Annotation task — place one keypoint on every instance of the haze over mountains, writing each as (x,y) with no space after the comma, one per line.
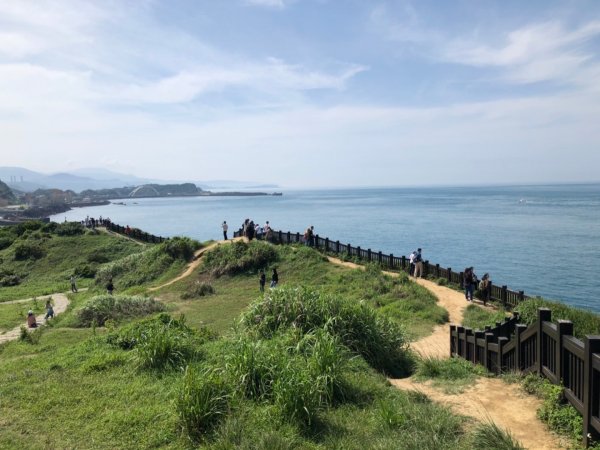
(78,180)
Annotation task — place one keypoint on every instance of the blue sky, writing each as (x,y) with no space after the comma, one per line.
(304,93)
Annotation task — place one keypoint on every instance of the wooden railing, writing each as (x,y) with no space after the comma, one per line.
(546,348)
(134,233)
(501,294)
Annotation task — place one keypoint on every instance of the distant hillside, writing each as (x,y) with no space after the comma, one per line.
(7,197)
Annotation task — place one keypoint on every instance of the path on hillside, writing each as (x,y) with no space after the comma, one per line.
(60,302)
(489,399)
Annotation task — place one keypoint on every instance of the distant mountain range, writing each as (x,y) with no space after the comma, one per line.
(78,180)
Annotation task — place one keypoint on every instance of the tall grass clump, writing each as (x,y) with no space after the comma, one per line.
(202,401)
(197,290)
(488,436)
(102,308)
(452,374)
(477,318)
(380,341)
(239,257)
(584,322)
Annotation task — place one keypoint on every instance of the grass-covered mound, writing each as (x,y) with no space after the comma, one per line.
(240,257)
(38,259)
(380,341)
(102,308)
(148,265)
(478,318)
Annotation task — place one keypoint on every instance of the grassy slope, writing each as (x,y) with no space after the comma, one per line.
(88,394)
(63,254)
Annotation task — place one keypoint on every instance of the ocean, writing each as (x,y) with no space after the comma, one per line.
(544,240)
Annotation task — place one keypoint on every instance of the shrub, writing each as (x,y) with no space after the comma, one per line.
(84,271)
(180,247)
(584,322)
(202,402)
(107,307)
(239,257)
(198,289)
(99,257)
(5,242)
(8,278)
(69,229)
(381,342)
(28,250)
(488,436)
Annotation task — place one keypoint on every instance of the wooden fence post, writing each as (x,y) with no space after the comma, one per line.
(564,328)
(358,252)
(502,341)
(379,257)
(316,239)
(326,244)
(469,357)
(504,295)
(449,275)
(391,261)
(489,337)
(337,247)
(477,335)
(544,315)
(349,247)
(369,254)
(452,340)
(403,262)
(591,390)
(518,330)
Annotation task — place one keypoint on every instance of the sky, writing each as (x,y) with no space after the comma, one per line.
(304,93)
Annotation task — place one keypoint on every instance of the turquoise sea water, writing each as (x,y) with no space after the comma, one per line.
(544,240)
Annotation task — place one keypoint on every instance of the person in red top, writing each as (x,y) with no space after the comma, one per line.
(31,323)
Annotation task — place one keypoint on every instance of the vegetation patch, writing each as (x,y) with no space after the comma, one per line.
(584,322)
(478,318)
(198,289)
(488,436)
(453,375)
(240,257)
(380,341)
(101,308)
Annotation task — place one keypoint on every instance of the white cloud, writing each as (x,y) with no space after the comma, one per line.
(278,4)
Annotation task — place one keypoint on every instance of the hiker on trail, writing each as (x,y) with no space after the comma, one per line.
(418,264)
(110,286)
(470,279)
(49,310)
(31,323)
(411,260)
(262,279)
(73,283)
(485,288)
(274,278)
(268,231)
(309,236)
(225,228)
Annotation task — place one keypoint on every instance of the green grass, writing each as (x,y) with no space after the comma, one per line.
(477,318)
(488,436)
(452,375)
(15,314)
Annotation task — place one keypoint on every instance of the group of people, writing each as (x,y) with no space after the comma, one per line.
(31,320)
(91,222)
(415,260)
(251,230)
(262,279)
(309,236)
(471,282)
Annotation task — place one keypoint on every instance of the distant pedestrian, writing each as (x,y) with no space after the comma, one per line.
(469,282)
(110,287)
(262,279)
(411,260)
(418,264)
(250,231)
(485,288)
(73,281)
(49,310)
(31,323)
(225,228)
(274,278)
(268,231)
(309,236)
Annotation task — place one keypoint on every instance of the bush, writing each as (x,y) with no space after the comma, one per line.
(488,436)
(198,289)
(28,250)
(202,402)
(69,229)
(101,308)
(180,247)
(381,342)
(84,271)
(8,278)
(6,241)
(584,322)
(239,257)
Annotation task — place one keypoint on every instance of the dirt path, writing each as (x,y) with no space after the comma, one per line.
(60,302)
(489,398)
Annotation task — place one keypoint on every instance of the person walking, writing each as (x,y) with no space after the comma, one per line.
(418,264)
(225,228)
(469,282)
(73,281)
(262,280)
(274,278)
(49,310)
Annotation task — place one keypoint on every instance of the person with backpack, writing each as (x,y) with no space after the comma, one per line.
(225,228)
(418,264)
(470,281)
(411,260)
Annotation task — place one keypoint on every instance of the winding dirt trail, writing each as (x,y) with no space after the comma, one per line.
(60,302)
(489,399)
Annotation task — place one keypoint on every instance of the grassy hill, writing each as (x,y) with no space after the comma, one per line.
(7,197)
(212,362)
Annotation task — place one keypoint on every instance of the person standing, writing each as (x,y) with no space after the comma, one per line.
(469,282)
(418,264)
(262,280)
(49,310)
(274,278)
(268,231)
(485,287)
(225,228)
(411,260)
(250,231)
(73,283)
